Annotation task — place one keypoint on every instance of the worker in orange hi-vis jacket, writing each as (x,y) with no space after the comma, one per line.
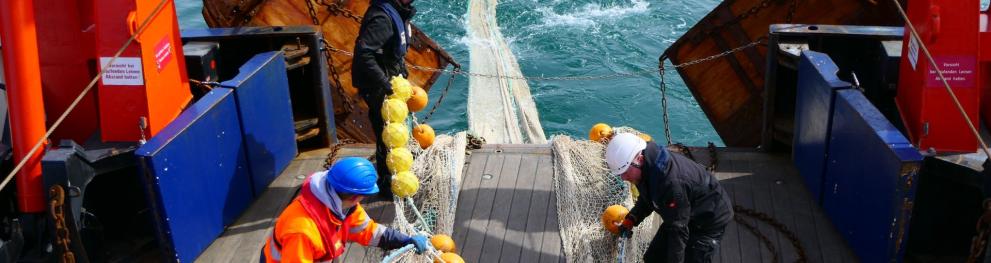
(327,214)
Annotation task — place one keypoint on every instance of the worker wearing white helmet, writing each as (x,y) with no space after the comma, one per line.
(689,199)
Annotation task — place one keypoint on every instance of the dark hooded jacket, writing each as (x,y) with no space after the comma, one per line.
(376,59)
(687,197)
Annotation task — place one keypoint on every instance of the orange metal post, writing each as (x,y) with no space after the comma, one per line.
(27,110)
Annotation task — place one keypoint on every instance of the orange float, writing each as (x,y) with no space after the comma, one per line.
(444,243)
(418,101)
(599,132)
(424,135)
(613,217)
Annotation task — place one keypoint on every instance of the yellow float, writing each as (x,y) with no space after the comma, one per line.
(394,110)
(399,160)
(645,137)
(405,184)
(395,135)
(401,88)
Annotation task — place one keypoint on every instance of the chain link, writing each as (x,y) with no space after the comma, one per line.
(980,240)
(767,219)
(760,216)
(57,195)
(763,238)
(332,156)
(336,7)
(638,73)
(334,75)
(736,20)
(313,12)
(791,11)
(450,82)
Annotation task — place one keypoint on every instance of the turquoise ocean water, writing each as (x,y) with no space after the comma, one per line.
(571,38)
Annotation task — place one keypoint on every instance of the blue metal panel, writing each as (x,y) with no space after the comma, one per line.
(196,175)
(869,179)
(817,86)
(261,90)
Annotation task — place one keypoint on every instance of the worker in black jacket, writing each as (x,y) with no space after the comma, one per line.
(379,55)
(694,207)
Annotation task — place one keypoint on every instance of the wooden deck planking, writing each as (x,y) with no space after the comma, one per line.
(482,208)
(769,184)
(466,198)
(512,245)
(552,248)
(766,201)
(730,245)
(512,217)
(540,210)
(750,249)
(243,240)
(495,230)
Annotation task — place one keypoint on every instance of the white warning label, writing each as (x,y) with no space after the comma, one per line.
(125,71)
(913,52)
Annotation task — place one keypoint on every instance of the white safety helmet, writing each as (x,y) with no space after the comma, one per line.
(621,150)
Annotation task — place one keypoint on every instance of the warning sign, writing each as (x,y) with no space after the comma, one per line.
(959,71)
(913,51)
(125,71)
(163,53)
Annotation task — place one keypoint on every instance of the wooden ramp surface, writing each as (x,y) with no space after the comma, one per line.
(769,183)
(507,209)
(243,241)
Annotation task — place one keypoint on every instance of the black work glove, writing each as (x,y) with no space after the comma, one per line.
(626,228)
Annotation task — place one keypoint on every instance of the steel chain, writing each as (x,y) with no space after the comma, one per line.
(736,20)
(763,238)
(767,219)
(338,9)
(57,195)
(638,73)
(763,217)
(332,156)
(450,81)
(664,102)
(791,11)
(313,12)
(979,242)
(334,75)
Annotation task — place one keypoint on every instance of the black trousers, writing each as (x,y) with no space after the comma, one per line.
(701,247)
(374,102)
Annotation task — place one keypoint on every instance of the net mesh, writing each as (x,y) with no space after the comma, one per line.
(439,168)
(584,189)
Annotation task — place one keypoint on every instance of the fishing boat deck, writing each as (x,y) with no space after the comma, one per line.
(506,209)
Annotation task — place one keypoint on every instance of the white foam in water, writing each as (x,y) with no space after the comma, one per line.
(591,14)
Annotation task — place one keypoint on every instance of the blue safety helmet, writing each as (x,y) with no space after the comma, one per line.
(353,175)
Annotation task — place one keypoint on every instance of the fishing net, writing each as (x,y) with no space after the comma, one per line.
(584,189)
(439,168)
(500,106)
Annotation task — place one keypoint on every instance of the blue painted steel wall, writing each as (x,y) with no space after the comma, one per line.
(197,176)
(261,90)
(817,86)
(869,179)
